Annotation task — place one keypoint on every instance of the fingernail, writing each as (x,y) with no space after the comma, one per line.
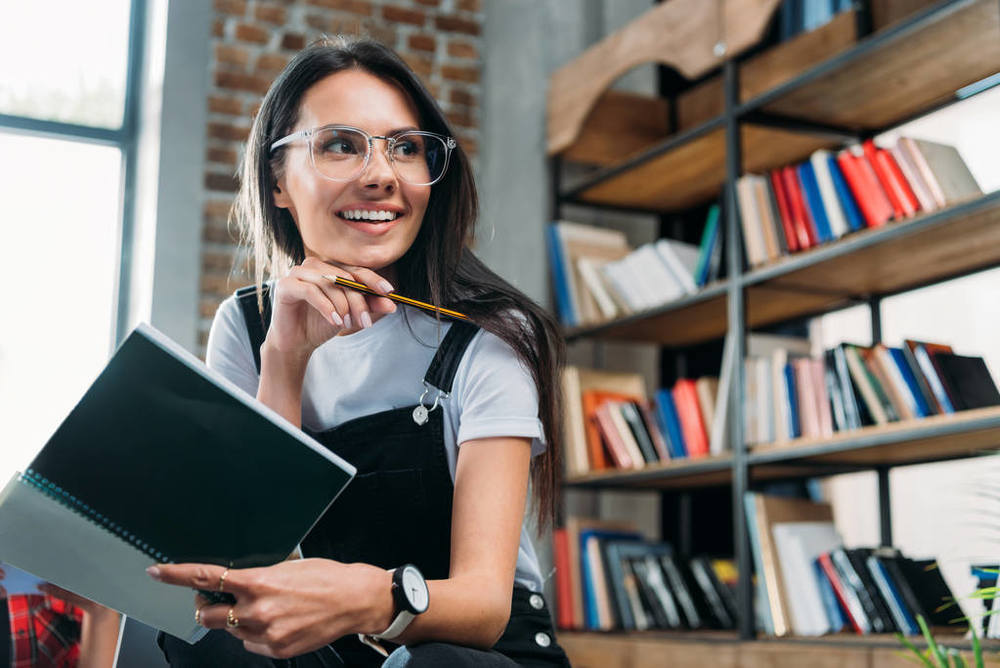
(347,321)
(153,572)
(337,320)
(366,320)
(385,286)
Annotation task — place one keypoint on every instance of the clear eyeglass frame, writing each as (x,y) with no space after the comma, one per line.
(449,145)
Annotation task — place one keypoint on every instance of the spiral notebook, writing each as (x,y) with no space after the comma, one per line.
(163,460)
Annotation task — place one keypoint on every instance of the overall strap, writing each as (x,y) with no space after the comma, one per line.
(257,322)
(441,372)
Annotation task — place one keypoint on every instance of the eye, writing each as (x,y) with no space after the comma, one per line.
(338,145)
(408,147)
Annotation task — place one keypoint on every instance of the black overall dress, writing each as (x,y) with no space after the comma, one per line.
(397,510)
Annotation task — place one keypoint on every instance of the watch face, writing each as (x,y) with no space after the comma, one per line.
(415,589)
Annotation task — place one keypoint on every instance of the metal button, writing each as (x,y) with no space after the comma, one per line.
(536,602)
(543,639)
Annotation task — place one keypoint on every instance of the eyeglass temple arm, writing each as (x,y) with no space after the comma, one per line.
(289,139)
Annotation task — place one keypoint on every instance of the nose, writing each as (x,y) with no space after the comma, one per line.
(379,174)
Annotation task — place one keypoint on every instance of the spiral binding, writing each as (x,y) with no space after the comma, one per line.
(57,493)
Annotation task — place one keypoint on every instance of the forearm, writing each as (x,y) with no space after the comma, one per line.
(462,611)
(280,387)
(99,639)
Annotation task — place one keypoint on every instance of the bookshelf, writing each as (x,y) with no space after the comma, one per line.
(849,84)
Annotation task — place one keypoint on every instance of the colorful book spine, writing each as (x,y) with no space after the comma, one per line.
(814,202)
(670,425)
(850,208)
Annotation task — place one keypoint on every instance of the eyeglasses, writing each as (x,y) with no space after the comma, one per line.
(342,153)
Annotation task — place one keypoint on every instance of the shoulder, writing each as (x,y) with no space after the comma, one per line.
(228,350)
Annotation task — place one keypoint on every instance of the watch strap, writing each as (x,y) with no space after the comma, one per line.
(397,627)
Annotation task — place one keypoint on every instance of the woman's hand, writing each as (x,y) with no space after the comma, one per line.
(293,607)
(308,310)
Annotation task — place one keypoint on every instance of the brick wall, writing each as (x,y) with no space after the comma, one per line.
(252,40)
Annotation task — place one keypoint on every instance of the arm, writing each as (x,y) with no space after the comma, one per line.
(99,631)
(472,606)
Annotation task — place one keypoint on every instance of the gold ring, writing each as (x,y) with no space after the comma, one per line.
(197,616)
(232,621)
(222,578)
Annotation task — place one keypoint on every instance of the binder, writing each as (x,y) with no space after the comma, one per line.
(163,460)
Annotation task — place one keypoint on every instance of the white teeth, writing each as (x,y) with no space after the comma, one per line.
(364,214)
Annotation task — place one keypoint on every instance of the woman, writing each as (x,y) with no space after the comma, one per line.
(351,171)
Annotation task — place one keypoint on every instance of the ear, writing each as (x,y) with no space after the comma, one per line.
(281,198)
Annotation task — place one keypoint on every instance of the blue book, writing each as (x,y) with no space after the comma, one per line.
(923,410)
(762,607)
(559,278)
(897,606)
(830,604)
(813,200)
(793,402)
(847,204)
(670,424)
(709,238)
(930,373)
(588,576)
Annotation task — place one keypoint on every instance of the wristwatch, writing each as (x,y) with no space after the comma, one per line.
(410,597)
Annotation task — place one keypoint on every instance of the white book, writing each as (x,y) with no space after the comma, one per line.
(590,273)
(913,177)
(620,280)
(718,433)
(681,259)
(659,281)
(828,193)
(798,544)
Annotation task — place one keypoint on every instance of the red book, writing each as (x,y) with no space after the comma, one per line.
(864,185)
(564,584)
(838,588)
(689,413)
(612,437)
(900,186)
(871,157)
(784,212)
(800,214)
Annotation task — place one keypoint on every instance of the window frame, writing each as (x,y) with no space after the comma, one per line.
(125,138)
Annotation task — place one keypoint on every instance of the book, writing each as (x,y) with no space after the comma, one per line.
(753,233)
(769,225)
(871,155)
(913,177)
(718,438)
(110,493)
(852,214)
(714,593)
(846,596)
(582,392)
(919,351)
(598,611)
(804,228)
(563,580)
(575,526)
(633,418)
(966,380)
(617,554)
(784,211)
(616,435)
(901,615)
(709,240)
(897,181)
(944,171)
(572,241)
(820,162)
(681,260)
(867,190)
(689,412)
(670,424)
(814,202)
(798,544)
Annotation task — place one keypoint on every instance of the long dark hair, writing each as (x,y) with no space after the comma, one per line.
(439,267)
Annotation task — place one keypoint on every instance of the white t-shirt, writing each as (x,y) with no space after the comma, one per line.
(383,367)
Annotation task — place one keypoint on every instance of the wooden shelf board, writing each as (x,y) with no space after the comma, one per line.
(723,648)
(693,319)
(898,72)
(897,256)
(679,473)
(939,437)
(694,171)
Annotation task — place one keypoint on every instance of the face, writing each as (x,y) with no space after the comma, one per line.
(317,204)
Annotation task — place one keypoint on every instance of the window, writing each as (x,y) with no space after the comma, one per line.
(67,164)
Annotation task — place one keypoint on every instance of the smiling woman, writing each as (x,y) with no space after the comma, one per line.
(351,171)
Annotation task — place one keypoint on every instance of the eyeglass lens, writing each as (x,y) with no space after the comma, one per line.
(339,154)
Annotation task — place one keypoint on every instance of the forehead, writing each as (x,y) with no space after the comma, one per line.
(354,97)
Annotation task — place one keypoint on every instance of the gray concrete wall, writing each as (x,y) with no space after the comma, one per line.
(526,40)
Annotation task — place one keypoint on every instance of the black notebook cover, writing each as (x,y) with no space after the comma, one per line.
(183,465)
(967,381)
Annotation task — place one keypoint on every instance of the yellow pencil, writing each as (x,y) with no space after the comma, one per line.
(361,287)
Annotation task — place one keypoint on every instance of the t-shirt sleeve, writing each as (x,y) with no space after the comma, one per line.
(496,394)
(229,347)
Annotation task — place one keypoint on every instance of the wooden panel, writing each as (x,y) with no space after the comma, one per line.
(694,172)
(766,305)
(904,442)
(767,654)
(679,33)
(890,262)
(620,125)
(591,650)
(903,76)
(672,474)
(695,322)
(651,654)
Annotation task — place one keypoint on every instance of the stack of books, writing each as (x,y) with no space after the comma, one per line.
(798,207)
(808,584)
(790,394)
(609,578)
(597,276)
(610,423)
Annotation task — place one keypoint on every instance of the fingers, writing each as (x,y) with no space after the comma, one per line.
(357,315)
(203,576)
(306,286)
